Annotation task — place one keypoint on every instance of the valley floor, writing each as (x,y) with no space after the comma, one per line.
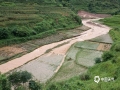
(43,55)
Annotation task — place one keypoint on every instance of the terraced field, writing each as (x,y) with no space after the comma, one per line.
(44,67)
(87,57)
(81,56)
(29,14)
(87,44)
(103,39)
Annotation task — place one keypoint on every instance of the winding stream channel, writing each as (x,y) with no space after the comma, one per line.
(49,63)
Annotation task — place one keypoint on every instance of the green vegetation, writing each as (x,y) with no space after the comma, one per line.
(33,85)
(107,56)
(97,60)
(94,6)
(24,39)
(4,33)
(114,23)
(19,77)
(4,83)
(16,78)
(19,81)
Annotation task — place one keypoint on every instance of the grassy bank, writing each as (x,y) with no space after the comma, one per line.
(114,23)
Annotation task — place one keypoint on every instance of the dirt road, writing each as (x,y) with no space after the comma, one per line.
(96,30)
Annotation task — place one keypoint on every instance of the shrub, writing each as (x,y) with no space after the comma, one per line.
(25,76)
(4,33)
(21,31)
(31,31)
(117,73)
(62,22)
(107,56)
(4,83)
(23,39)
(85,76)
(116,47)
(42,26)
(38,29)
(35,85)
(21,88)
(19,77)
(53,87)
(97,60)
(76,18)
(114,60)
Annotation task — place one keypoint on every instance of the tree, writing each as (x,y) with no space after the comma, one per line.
(17,78)
(116,47)
(4,33)
(107,56)
(76,18)
(4,83)
(14,78)
(21,31)
(25,76)
(97,60)
(35,85)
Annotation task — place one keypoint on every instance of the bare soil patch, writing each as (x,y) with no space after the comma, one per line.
(9,51)
(95,24)
(88,15)
(104,47)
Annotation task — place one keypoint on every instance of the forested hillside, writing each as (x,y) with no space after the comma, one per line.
(95,6)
